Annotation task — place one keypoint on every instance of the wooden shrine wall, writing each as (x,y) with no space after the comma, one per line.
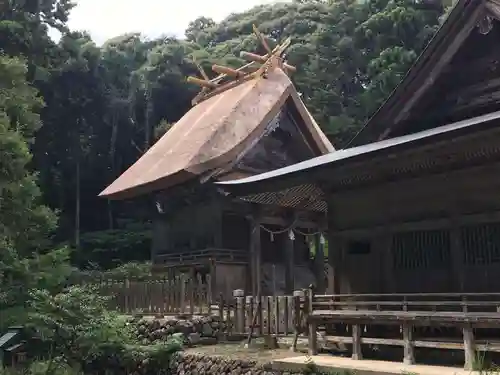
(439,233)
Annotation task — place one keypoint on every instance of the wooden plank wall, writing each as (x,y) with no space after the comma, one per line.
(443,214)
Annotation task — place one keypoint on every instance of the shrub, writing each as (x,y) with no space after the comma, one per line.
(75,322)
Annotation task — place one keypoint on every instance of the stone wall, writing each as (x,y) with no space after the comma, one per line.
(194,329)
(187,364)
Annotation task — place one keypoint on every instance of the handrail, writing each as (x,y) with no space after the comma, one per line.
(403,295)
(214,253)
(414,313)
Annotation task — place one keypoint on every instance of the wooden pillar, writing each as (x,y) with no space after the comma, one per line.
(218,229)
(387,268)
(213,280)
(469,348)
(335,258)
(161,237)
(357,354)
(289,261)
(335,250)
(255,257)
(319,262)
(409,354)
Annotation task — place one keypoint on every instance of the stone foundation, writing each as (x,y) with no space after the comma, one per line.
(193,364)
(195,329)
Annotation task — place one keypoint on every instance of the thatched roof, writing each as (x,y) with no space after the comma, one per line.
(212,134)
(227,120)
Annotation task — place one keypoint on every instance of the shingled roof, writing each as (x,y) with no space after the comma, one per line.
(221,126)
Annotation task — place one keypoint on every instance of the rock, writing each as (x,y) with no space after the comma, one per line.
(194,338)
(207,330)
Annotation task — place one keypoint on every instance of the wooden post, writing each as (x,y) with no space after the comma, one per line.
(277,314)
(469,348)
(191,290)
(127,295)
(319,262)
(313,338)
(289,262)
(312,325)
(298,295)
(409,355)
(356,342)
(213,281)
(239,296)
(182,302)
(334,261)
(255,257)
(249,301)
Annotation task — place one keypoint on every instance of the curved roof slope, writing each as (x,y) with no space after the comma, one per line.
(212,134)
(422,95)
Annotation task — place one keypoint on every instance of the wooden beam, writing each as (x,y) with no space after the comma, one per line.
(249,56)
(305,224)
(441,223)
(473,90)
(201,70)
(228,71)
(262,39)
(289,263)
(493,7)
(255,256)
(220,89)
(319,263)
(202,82)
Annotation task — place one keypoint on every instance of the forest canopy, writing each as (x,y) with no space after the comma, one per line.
(75,115)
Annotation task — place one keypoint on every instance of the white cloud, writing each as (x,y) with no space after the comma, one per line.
(108,18)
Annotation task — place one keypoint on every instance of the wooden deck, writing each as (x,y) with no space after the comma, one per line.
(366,367)
(409,321)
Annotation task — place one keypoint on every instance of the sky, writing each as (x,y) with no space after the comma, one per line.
(108,18)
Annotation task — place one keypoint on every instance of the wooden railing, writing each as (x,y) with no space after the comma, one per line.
(407,320)
(157,295)
(195,257)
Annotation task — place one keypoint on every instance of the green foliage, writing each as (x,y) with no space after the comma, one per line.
(129,359)
(111,248)
(130,270)
(75,323)
(24,223)
(20,276)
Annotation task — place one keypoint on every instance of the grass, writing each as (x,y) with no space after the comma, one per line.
(483,366)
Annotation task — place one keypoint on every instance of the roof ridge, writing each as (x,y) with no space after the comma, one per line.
(229,78)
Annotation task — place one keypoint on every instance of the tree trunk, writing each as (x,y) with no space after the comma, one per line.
(77,205)
(147,119)
(112,151)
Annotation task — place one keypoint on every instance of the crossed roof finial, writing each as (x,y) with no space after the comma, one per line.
(229,77)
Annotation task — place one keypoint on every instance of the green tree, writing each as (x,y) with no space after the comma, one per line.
(25,224)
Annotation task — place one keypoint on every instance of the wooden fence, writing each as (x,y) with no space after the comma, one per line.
(348,319)
(168,295)
(182,295)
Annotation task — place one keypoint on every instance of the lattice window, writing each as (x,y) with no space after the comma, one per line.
(421,249)
(481,244)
